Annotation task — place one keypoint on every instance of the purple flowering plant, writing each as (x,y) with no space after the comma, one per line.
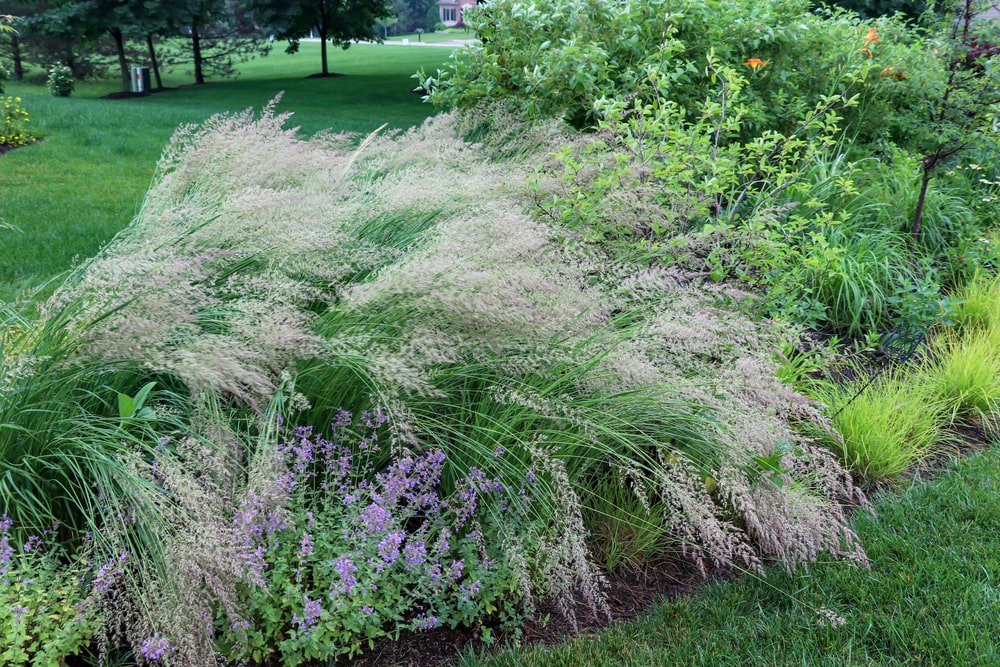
(46,591)
(365,544)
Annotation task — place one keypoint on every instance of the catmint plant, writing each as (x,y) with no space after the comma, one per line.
(49,594)
(353,549)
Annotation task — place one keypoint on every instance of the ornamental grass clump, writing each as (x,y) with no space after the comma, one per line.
(891,425)
(964,371)
(504,360)
(977,308)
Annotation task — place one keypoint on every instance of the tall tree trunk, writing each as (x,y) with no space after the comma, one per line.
(116,34)
(152,61)
(15,54)
(199,75)
(71,60)
(322,48)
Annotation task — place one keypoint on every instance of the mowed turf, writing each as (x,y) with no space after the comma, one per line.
(449,35)
(70,193)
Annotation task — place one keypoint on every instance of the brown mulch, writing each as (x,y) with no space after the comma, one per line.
(6,148)
(630,593)
(130,95)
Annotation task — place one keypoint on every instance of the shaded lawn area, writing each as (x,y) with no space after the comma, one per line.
(71,192)
(932,597)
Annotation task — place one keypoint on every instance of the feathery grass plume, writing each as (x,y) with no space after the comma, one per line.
(565,566)
(402,276)
(477,318)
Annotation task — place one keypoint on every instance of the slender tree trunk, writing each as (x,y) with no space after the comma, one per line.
(919,213)
(322,48)
(71,60)
(15,54)
(116,34)
(199,74)
(152,61)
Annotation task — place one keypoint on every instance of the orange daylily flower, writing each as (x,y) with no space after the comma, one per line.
(871,37)
(866,51)
(756,63)
(895,74)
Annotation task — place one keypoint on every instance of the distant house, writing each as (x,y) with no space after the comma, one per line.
(450,11)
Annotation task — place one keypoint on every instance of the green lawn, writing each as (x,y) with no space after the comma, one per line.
(74,190)
(449,35)
(932,597)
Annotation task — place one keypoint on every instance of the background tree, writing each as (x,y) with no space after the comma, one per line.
(221,33)
(912,9)
(336,21)
(54,32)
(9,11)
(117,18)
(413,14)
(956,102)
(6,26)
(162,18)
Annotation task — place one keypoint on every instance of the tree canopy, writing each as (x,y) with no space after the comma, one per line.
(336,21)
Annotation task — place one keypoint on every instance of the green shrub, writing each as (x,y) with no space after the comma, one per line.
(60,81)
(782,213)
(763,138)
(562,58)
(912,9)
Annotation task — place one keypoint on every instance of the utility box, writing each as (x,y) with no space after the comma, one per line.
(140,80)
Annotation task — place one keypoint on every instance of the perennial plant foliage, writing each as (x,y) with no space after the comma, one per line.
(269,278)
(13,123)
(758,153)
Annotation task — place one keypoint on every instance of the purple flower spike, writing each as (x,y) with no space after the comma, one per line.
(306,545)
(310,614)
(155,647)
